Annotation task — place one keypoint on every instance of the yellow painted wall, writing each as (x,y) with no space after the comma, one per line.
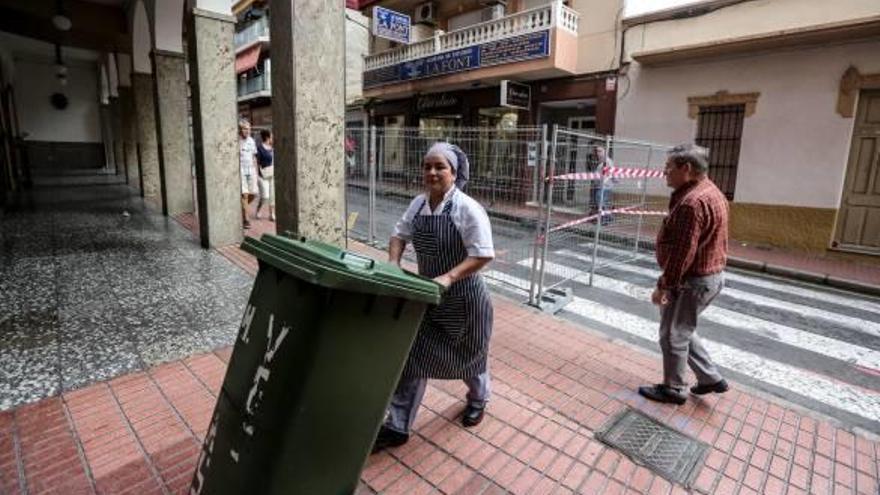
(791,227)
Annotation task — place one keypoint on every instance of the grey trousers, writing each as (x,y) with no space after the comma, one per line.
(678,339)
(409,393)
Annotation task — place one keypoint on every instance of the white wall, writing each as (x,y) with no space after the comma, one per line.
(169,25)
(748,19)
(35,81)
(598,33)
(794,148)
(639,7)
(218,6)
(357,45)
(142,41)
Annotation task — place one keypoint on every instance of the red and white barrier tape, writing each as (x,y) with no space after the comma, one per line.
(579,176)
(575,222)
(616,211)
(615,172)
(636,173)
(650,213)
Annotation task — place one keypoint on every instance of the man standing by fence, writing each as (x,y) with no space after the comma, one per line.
(692,251)
(600,189)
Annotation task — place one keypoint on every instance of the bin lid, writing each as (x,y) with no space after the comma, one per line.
(333,267)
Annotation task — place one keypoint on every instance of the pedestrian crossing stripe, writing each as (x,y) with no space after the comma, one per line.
(854,323)
(839,395)
(833,348)
(763,282)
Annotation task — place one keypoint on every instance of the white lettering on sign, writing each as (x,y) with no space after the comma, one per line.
(255,395)
(246,321)
(205,457)
(532,154)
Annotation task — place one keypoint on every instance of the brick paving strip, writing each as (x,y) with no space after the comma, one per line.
(554,385)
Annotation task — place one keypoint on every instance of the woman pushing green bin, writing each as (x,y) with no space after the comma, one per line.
(452,238)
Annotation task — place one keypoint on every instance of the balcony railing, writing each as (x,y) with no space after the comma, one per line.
(256,30)
(256,84)
(553,15)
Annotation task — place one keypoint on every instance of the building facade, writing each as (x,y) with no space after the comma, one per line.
(786,94)
(450,73)
(253,65)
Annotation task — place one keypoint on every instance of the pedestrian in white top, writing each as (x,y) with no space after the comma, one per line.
(452,238)
(247,159)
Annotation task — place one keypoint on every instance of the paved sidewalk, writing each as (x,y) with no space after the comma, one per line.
(555,385)
(818,265)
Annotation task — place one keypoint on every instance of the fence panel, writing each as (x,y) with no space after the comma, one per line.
(598,206)
(359,214)
(547,195)
(505,172)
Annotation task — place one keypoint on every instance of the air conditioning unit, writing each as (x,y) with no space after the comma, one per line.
(425,13)
(492,13)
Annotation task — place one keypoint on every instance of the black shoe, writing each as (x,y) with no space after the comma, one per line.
(472,416)
(389,438)
(662,393)
(718,387)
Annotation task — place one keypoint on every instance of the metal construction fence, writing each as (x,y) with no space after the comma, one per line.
(598,208)
(546,190)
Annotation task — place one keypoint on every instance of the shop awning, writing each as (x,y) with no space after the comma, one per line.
(247,59)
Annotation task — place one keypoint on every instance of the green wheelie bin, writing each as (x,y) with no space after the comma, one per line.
(321,345)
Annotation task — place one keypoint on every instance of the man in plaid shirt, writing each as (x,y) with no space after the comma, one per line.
(692,251)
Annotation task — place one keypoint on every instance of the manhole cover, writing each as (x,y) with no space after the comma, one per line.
(654,445)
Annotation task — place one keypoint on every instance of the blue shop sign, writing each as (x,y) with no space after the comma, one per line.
(515,49)
(391,25)
(444,63)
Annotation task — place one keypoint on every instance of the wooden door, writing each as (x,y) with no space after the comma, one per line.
(858,222)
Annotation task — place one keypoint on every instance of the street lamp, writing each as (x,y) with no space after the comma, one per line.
(60,20)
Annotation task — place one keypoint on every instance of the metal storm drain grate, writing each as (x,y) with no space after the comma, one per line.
(654,445)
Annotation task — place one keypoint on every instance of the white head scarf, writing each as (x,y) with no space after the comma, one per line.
(457,160)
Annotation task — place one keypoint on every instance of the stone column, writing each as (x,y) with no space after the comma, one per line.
(308,105)
(172,131)
(116,131)
(129,137)
(151,176)
(106,135)
(215,127)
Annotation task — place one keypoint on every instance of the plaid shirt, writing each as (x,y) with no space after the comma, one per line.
(693,239)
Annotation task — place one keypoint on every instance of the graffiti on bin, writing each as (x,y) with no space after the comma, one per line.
(274,339)
(261,376)
(246,320)
(205,457)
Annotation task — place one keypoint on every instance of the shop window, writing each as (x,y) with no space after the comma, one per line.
(719,128)
(392,142)
(495,151)
(439,127)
